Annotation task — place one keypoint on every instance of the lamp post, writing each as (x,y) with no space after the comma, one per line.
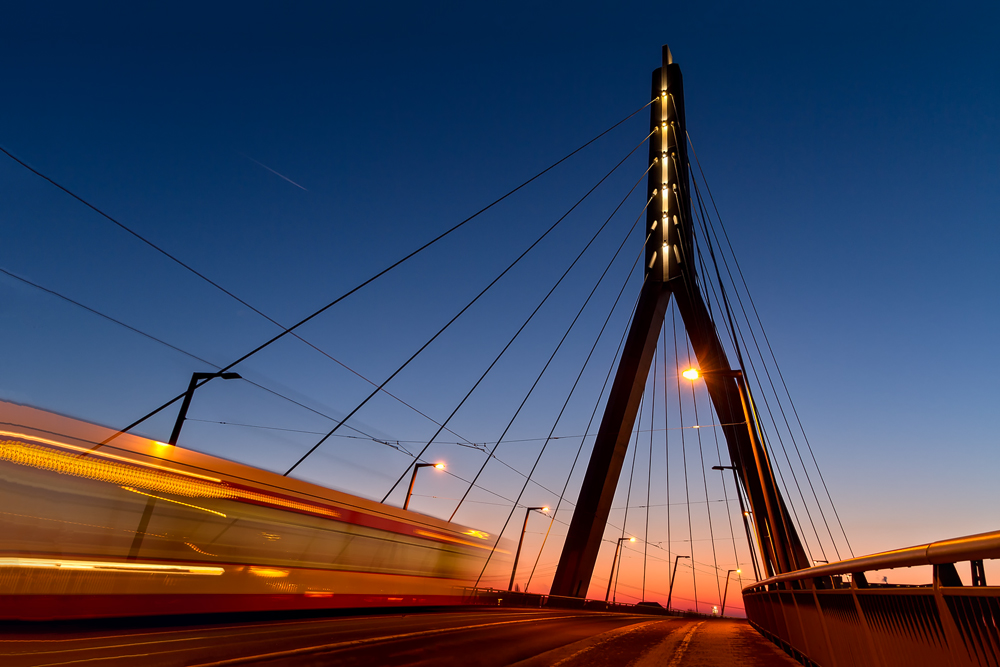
(409,492)
(673,576)
(196,378)
(517,554)
(726,590)
(613,561)
(758,454)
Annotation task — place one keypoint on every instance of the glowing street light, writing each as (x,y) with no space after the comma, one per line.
(726,590)
(615,560)
(409,492)
(517,553)
(673,576)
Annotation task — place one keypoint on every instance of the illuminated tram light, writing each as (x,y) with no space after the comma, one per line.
(268,572)
(176,502)
(135,474)
(201,551)
(102,566)
(63,463)
(449,538)
(477,533)
(102,455)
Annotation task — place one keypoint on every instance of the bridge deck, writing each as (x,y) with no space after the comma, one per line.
(527,638)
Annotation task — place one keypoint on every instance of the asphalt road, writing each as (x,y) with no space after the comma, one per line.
(486,637)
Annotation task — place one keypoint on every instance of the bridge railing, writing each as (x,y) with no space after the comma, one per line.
(832,616)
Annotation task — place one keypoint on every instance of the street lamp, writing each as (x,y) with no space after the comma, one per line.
(726,590)
(673,576)
(195,379)
(409,492)
(517,554)
(772,512)
(615,560)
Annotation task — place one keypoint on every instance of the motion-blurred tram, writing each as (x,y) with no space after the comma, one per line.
(137,527)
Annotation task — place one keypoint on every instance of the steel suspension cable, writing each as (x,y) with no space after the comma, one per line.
(539,457)
(589,297)
(741,493)
(773,357)
(767,405)
(169,345)
(600,394)
(687,492)
(666,438)
(289,330)
(649,473)
(735,338)
(551,357)
(459,314)
(628,494)
(704,476)
(706,293)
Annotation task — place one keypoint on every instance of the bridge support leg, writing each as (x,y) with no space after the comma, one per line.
(583,541)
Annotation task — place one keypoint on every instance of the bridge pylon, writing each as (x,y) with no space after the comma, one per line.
(670,272)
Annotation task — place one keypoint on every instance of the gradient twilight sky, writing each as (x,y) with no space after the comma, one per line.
(288,151)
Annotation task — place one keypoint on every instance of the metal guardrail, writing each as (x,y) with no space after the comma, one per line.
(831,616)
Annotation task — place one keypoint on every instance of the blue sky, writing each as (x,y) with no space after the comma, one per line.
(852,149)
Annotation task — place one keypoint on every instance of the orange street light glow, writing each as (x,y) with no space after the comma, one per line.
(631,539)
(691,374)
(439,466)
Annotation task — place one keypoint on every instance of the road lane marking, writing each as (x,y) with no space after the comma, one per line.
(679,655)
(371,640)
(605,638)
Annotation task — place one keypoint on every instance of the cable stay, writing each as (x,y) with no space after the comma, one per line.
(290,330)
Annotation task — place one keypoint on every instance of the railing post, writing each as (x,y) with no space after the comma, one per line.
(822,621)
(946,573)
(873,650)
